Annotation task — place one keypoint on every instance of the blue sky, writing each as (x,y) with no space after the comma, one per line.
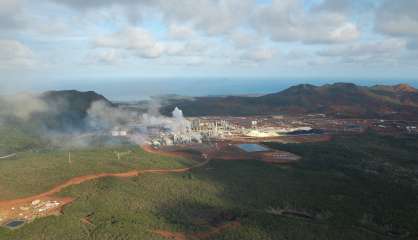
(69,40)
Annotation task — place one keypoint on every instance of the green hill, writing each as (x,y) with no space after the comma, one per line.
(67,109)
(58,111)
(341,99)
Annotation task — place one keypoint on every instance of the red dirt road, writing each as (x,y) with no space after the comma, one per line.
(197,235)
(60,187)
(7,205)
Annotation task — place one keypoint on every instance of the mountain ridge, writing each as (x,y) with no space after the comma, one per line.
(339,99)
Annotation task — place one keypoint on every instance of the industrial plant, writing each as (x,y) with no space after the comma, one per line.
(179,130)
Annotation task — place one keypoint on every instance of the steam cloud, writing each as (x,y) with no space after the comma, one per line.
(21,106)
(101,116)
(101,119)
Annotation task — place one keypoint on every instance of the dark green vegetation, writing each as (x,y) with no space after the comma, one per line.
(14,139)
(67,109)
(355,187)
(27,122)
(340,99)
(53,111)
(42,146)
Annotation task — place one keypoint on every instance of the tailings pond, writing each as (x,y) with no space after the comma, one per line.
(14,224)
(251,147)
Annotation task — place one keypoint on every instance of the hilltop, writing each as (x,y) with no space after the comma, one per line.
(24,118)
(72,100)
(67,108)
(339,99)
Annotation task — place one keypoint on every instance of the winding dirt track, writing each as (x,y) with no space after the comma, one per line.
(6,204)
(60,187)
(197,235)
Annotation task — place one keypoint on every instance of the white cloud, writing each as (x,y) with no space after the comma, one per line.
(380,48)
(344,33)
(282,20)
(180,32)
(287,20)
(107,57)
(152,52)
(189,48)
(335,5)
(206,32)
(385,52)
(258,55)
(137,40)
(94,4)
(398,18)
(211,17)
(141,43)
(10,15)
(53,28)
(243,39)
(15,54)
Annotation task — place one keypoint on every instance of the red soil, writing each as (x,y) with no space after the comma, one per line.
(306,139)
(86,221)
(150,149)
(171,235)
(230,152)
(197,235)
(58,188)
(215,230)
(7,205)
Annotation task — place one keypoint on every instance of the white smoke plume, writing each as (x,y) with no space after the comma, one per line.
(21,105)
(102,118)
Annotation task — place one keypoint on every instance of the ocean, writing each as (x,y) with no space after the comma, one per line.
(140,89)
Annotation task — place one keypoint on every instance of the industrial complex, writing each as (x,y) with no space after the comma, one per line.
(242,138)
(220,138)
(179,130)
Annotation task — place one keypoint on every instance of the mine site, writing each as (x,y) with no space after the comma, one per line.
(75,168)
(209,120)
(201,139)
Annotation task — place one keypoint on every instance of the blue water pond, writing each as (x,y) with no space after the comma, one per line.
(14,223)
(251,147)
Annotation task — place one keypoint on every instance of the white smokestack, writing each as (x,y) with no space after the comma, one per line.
(178,114)
(180,124)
